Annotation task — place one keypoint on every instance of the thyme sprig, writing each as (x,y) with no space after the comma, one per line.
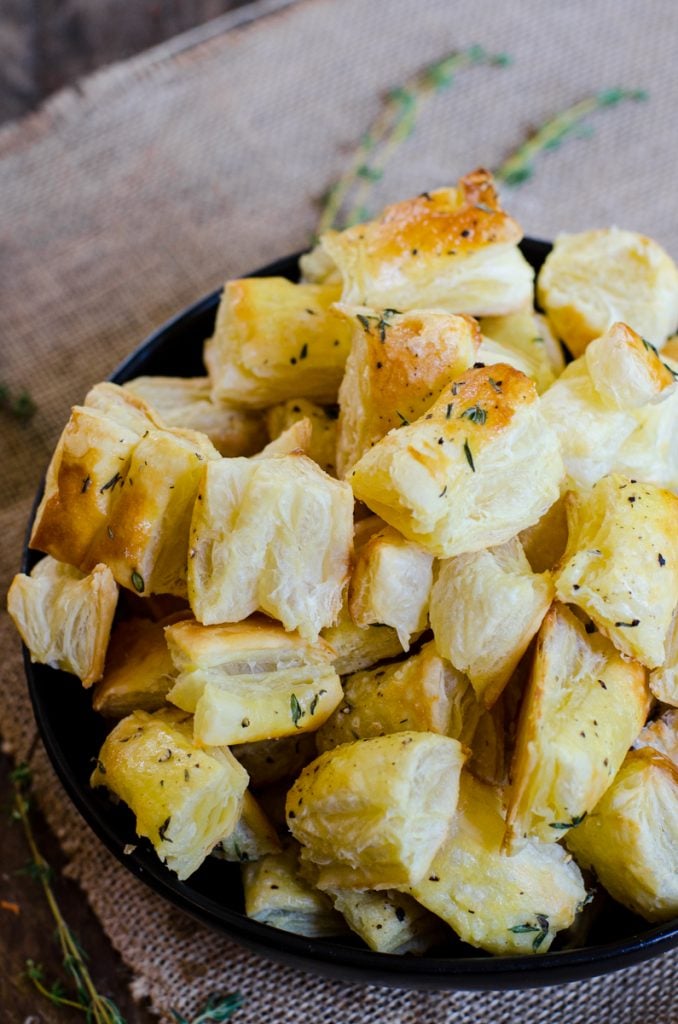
(393,124)
(568,123)
(98,1009)
(20,405)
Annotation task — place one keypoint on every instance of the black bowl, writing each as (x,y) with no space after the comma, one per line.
(73,733)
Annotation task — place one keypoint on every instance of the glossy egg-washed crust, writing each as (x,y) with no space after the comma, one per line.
(452,249)
(372,814)
(185,799)
(592,279)
(621,564)
(424,693)
(448,221)
(397,365)
(275,340)
(631,837)
(583,707)
(437,479)
(117,480)
(501,904)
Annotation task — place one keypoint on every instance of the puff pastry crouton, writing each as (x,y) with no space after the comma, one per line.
(523,340)
(185,799)
(631,837)
(359,647)
(478,467)
(274,535)
(120,490)
(396,367)
(391,584)
(372,814)
(583,708)
(485,608)
(621,564)
(275,340)
(139,670)
(614,409)
(323,441)
(594,278)
(664,680)
(453,249)
(499,903)
(65,617)
(423,693)
(252,838)
(276,894)
(250,680)
(187,402)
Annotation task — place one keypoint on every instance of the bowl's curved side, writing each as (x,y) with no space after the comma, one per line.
(72,734)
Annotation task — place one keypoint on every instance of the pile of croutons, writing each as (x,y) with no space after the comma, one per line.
(386,605)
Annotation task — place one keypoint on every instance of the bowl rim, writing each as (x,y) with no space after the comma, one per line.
(327,957)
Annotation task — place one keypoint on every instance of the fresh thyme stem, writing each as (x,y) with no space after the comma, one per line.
(99,1010)
(394,123)
(520,165)
(63,1001)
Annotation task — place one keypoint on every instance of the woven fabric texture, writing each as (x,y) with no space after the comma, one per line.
(125,200)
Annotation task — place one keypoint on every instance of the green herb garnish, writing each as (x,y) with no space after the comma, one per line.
(520,165)
(469,457)
(21,406)
(475,414)
(296,710)
(393,124)
(110,483)
(576,820)
(541,928)
(138,582)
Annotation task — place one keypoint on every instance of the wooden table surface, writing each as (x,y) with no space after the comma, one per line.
(27,929)
(44,45)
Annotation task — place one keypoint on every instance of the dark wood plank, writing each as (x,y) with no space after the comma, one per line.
(46,44)
(29,934)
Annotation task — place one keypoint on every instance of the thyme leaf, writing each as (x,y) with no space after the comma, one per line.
(296,710)
(475,414)
(576,820)
(469,456)
(138,582)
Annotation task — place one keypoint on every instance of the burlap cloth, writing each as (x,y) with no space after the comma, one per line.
(133,195)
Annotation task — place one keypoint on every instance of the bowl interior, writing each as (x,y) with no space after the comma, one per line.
(73,733)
